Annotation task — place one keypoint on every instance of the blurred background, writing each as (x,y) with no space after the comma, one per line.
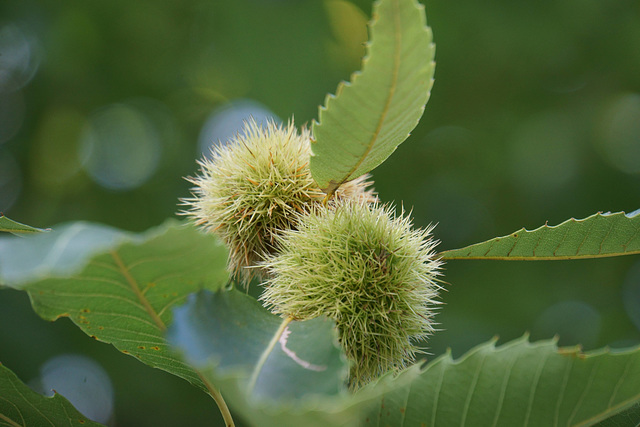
(534,117)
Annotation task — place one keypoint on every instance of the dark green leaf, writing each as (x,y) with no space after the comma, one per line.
(627,418)
(124,297)
(21,406)
(516,384)
(367,119)
(600,235)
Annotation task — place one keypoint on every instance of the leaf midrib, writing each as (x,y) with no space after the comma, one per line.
(443,255)
(392,90)
(265,354)
(136,290)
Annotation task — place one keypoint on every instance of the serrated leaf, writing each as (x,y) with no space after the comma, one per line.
(369,117)
(517,384)
(21,406)
(600,235)
(272,378)
(14,227)
(61,252)
(124,297)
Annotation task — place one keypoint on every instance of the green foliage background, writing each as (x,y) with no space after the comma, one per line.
(527,100)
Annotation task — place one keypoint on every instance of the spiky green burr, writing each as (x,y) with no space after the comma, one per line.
(370,271)
(255,186)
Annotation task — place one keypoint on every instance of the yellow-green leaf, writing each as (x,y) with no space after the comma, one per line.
(369,117)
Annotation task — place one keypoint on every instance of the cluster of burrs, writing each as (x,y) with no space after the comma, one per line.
(351,259)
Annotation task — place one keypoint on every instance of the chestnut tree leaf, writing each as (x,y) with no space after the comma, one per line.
(517,384)
(21,406)
(600,235)
(124,296)
(362,124)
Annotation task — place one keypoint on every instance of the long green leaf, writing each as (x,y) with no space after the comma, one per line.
(517,384)
(21,406)
(124,297)
(600,235)
(62,252)
(11,226)
(367,119)
(273,372)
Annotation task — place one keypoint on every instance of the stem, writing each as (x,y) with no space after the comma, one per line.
(266,353)
(326,199)
(222,405)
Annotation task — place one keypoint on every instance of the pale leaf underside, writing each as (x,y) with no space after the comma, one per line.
(59,253)
(275,372)
(281,360)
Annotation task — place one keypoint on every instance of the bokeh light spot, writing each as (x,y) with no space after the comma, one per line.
(11,114)
(120,147)
(82,381)
(55,163)
(226,121)
(575,322)
(349,30)
(19,58)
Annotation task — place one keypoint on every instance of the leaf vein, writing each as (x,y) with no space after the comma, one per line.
(534,386)
(472,386)
(563,387)
(161,259)
(136,289)
(503,389)
(620,382)
(96,295)
(585,235)
(392,89)
(594,369)
(436,396)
